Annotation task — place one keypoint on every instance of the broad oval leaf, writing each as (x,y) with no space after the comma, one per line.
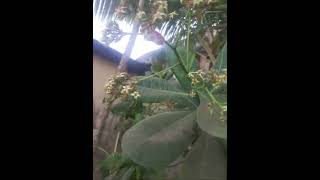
(206,161)
(159,140)
(211,123)
(156,90)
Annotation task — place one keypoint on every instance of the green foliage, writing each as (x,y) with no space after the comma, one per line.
(195,127)
(155,90)
(214,123)
(157,67)
(189,61)
(206,161)
(115,162)
(154,142)
(119,167)
(127,108)
(159,140)
(121,107)
(222,59)
(179,71)
(128,174)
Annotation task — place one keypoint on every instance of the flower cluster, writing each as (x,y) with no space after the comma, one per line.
(159,12)
(222,112)
(135,95)
(197,77)
(158,16)
(218,78)
(200,76)
(130,90)
(114,81)
(121,86)
(122,76)
(197,81)
(109,86)
(194,3)
(172,14)
(126,90)
(187,3)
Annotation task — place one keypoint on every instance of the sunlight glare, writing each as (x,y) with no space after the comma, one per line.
(140,48)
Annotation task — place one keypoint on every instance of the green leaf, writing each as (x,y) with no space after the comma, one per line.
(120,107)
(126,107)
(179,71)
(155,90)
(158,65)
(115,165)
(159,140)
(190,61)
(206,161)
(111,163)
(221,59)
(211,123)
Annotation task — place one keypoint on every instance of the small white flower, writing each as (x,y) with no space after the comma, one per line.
(126,90)
(135,95)
(108,91)
(194,81)
(173,14)
(191,75)
(192,94)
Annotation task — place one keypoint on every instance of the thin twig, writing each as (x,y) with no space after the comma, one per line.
(100,148)
(116,144)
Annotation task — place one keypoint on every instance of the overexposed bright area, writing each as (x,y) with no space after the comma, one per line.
(141,46)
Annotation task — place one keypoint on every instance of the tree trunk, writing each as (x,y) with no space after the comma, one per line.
(123,66)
